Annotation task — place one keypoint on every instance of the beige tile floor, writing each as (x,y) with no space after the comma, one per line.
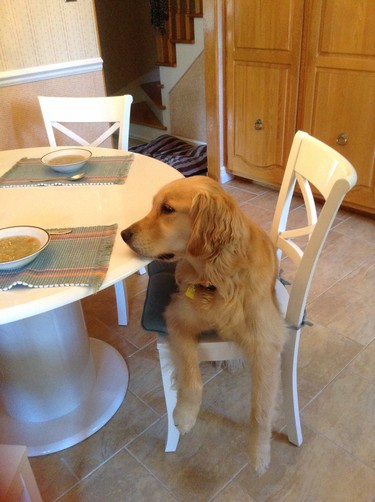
(125,461)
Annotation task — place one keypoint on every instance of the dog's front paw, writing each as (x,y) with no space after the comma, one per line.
(260,463)
(185,416)
(259,455)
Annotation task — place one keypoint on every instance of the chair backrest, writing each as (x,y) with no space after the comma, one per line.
(113,109)
(310,163)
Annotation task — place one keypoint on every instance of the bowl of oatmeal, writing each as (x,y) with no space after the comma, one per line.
(66,160)
(20,245)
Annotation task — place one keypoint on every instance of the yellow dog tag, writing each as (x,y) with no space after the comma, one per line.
(190,292)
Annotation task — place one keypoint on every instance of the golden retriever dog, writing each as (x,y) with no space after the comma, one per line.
(226,272)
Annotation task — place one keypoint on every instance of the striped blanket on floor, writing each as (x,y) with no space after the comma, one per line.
(188,159)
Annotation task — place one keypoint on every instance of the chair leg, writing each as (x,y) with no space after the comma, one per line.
(122,303)
(290,391)
(170,394)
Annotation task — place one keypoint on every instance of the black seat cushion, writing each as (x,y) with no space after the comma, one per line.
(161,286)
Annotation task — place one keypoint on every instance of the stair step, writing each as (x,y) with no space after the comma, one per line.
(153,90)
(182,41)
(197,9)
(180,30)
(196,14)
(142,114)
(166,51)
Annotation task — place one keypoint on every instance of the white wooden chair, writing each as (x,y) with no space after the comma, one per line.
(310,161)
(114,113)
(112,109)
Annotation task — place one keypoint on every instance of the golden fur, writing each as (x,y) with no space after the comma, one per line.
(231,265)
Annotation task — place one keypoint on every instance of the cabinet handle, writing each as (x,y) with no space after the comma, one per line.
(258,125)
(342,139)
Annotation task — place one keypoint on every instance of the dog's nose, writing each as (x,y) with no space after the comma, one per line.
(127,234)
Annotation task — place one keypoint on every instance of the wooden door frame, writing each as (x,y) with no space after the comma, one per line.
(214,88)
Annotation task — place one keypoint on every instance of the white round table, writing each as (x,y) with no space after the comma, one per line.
(57,386)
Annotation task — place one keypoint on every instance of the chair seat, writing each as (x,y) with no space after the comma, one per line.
(160,288)
(162,285)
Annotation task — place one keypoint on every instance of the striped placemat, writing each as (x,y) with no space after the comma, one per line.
(98,171)
(79,258)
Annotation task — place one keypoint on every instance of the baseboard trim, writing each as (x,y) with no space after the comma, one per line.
(51,71)
(224,175)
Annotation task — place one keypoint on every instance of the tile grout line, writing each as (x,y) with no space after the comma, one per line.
(211,499)
(336,376)
(102,464)
(141,433)
(147,406)
(152,474)
(338,281)
(124,447)
(340,447)
(139,348)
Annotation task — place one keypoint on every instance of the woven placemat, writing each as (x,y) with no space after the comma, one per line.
(79,258)
(98,171)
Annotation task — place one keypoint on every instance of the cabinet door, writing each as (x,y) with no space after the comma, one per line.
(263,42)
(338,92)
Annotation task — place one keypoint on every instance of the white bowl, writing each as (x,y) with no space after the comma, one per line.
(28,231)
(66,160)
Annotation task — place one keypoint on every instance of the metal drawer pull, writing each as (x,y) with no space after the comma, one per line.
(342,139)
(258,125)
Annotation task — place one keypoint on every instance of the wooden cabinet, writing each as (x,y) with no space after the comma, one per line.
(337,103)
(263,46)
(300,64)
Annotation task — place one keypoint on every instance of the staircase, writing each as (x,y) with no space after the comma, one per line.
(176,51)
(180,29)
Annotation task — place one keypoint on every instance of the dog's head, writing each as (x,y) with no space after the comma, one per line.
(189,217)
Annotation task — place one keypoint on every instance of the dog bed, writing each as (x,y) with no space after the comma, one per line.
(188,159)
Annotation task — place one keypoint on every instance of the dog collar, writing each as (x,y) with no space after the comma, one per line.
(192,288)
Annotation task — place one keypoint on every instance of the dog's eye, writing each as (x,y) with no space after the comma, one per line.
(166,209)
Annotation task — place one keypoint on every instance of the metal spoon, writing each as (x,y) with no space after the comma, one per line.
(60,231)
(74,177)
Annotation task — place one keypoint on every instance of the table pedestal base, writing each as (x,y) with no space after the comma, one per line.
(102,403)
(57,386)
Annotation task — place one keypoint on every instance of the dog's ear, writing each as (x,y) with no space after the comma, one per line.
(215,224)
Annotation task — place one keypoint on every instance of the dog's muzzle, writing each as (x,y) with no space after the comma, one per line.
(127,236)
